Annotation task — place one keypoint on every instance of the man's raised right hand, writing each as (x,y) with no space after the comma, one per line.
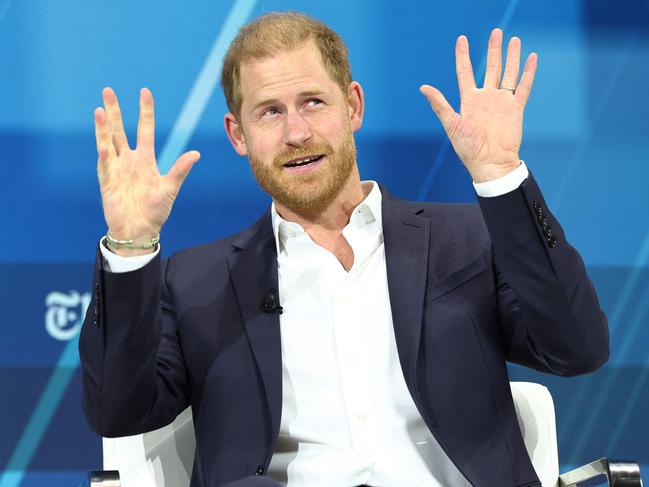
(137,200)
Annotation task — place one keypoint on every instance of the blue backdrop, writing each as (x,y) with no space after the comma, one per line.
(586,140)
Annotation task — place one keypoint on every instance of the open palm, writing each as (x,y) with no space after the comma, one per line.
(487,132)
(137,200)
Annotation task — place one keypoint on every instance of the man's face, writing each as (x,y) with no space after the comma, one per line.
(297,126)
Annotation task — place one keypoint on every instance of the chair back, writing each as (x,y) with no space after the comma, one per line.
(159,458)
(535,413)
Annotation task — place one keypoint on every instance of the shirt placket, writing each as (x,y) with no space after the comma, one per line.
(350,352)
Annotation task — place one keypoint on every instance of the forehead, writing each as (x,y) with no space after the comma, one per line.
(283,74)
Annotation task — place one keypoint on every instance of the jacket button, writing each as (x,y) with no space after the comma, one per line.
(260,470)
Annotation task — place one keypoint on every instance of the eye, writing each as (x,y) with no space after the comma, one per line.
(270,111)
(314,101)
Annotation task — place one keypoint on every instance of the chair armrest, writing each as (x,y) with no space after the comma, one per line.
(618,473)
(104,478)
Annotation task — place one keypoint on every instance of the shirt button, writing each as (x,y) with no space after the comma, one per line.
(260,470)
(361,416)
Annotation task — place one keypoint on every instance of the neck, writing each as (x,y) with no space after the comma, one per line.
(335,216)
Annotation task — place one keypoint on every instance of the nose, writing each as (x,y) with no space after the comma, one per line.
(296,129)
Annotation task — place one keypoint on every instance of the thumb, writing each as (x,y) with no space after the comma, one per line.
(440,106)
(181,168)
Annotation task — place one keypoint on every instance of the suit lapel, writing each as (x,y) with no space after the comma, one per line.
(253,269)
(407,240)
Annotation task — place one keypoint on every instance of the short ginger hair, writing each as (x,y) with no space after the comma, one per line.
(277,32)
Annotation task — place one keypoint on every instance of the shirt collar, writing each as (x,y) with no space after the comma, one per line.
(368,211)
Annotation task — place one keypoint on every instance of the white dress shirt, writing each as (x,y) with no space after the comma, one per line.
(347,415)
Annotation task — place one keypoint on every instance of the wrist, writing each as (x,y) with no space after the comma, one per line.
(131,247)
(483,173)
(498,187)
(124,252)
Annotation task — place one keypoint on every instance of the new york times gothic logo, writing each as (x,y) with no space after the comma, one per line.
(65,313)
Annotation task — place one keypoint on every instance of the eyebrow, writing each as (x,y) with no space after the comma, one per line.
(303,94)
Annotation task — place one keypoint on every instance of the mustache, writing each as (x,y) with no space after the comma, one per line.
(301,153)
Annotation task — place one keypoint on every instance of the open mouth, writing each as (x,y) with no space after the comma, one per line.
(305,161)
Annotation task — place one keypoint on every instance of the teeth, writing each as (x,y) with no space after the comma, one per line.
(302,161)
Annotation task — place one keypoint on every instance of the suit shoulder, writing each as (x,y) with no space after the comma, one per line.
(217,249)
(466,211)
(470,211)
(460,215)
(458,220)
(210,254)
(453,223)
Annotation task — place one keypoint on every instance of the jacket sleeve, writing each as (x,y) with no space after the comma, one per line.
(133,372)
(550,315)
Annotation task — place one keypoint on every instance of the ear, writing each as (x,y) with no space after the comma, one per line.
(235,134)
(356,105)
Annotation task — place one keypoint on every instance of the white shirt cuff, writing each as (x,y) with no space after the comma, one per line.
(118,263)
(505,184)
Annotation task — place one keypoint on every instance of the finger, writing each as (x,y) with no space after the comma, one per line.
(146,123)
(115,117)
(105,147)
(103,136)
(494,59)
(179,171)
(512,65)
(527,79)
(465,79)
(444,111)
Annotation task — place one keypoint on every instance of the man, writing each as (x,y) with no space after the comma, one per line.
(347,337)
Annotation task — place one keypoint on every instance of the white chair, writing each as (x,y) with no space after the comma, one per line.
(163,458)
(160,458)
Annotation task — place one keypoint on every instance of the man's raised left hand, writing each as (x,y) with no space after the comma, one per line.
(487,132)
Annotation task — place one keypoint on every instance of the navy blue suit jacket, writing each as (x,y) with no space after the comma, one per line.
(470,288)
